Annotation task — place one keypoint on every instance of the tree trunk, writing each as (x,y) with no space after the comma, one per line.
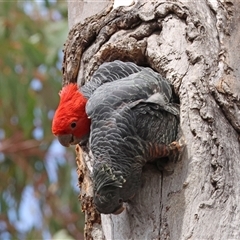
(195,45)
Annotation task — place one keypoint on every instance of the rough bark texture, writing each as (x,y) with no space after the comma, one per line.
(195,45)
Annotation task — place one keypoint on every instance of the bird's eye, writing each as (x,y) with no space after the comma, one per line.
(73,125)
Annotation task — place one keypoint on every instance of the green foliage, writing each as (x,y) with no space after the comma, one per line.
(31,41)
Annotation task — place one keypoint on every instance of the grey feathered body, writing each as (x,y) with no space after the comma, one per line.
(131,114)
(108,72)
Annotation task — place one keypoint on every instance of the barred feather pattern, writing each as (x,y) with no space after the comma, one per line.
(133,118)
(108,72)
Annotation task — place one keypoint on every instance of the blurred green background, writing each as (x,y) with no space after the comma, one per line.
(38,180)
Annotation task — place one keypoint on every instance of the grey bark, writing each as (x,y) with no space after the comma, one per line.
(195,45)
(81,9)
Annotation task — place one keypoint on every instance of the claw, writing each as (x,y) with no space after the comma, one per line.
(177,146)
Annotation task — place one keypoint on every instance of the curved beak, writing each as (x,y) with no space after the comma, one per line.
(68,139)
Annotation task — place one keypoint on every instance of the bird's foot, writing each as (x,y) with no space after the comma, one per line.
(174,150)
(177,147)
